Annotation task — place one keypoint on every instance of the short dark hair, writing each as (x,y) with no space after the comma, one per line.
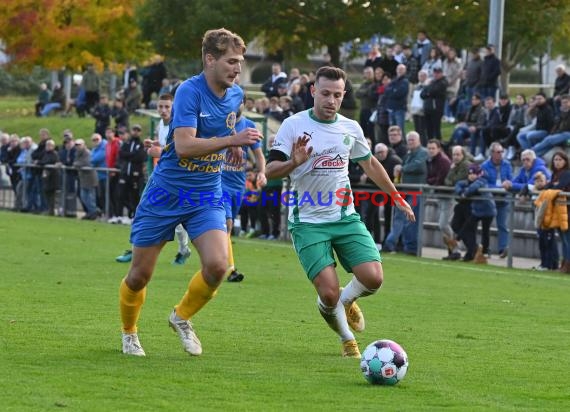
(435,142)
(165,96)
(331,73)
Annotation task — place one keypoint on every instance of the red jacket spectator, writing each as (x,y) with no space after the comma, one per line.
(112,152)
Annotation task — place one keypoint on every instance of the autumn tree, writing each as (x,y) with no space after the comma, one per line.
(69,33)
(291,28)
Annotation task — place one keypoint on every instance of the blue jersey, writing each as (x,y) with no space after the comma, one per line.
(233,176)
(196,106)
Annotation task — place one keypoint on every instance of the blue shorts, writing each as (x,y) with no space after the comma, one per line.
(158,215)
(231,206)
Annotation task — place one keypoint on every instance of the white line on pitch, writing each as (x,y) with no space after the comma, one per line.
(430,262)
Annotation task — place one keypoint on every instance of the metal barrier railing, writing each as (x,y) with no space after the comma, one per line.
(422,191)
(426,192)
(63,183)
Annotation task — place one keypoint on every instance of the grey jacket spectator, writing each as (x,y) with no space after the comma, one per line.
(87,178)
(90,81)
(473,69)
(422,48)
(414,168)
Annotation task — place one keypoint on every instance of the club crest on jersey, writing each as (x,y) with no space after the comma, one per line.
(347,139)
(329,162)
(231,120)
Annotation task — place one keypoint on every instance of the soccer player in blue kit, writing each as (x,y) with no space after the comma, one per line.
(233,186)
(185,188)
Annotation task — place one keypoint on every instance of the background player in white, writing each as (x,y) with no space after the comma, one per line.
(154,149)
(164,108)
(319,171)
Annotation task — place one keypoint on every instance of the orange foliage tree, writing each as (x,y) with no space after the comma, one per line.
(68,34)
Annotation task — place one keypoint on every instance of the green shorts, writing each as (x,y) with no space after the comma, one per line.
(348,237)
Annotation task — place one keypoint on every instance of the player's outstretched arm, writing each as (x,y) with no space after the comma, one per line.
(300,153)
(260,165)
(375,171)
(188,145)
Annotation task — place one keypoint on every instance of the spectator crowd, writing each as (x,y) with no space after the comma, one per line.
(514,144)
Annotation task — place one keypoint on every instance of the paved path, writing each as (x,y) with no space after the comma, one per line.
(518,262)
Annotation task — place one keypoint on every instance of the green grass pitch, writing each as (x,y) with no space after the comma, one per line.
(478,338)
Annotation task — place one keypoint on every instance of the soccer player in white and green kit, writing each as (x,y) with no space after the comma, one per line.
(314,147)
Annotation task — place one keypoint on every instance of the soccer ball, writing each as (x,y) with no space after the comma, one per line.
(384,362)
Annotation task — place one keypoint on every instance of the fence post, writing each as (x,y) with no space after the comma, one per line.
(420,221)
(107,193)
(64,191)
(25,187)
(511,199)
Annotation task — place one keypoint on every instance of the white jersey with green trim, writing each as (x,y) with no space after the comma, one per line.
(320,184)
(162,130)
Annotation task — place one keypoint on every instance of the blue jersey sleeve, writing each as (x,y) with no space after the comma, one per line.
(186,107)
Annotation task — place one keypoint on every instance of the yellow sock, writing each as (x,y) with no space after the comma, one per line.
(130,303)
(231,263)
(197,295)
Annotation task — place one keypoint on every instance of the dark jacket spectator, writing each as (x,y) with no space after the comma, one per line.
(391,161)
(490,71)
(272,84)
(562,123)
(50,176)
(102,115)
(120,115)
(544,117)
(397,94)
(437,169)
(400,149)
(434,95)
(562,82)
(132,157)
(152,76)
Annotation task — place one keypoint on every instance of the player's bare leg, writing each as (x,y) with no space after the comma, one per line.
(332,310)
(132,294)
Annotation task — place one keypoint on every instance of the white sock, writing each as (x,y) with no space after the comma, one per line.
(336,319)
(182,237)
(354,290)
